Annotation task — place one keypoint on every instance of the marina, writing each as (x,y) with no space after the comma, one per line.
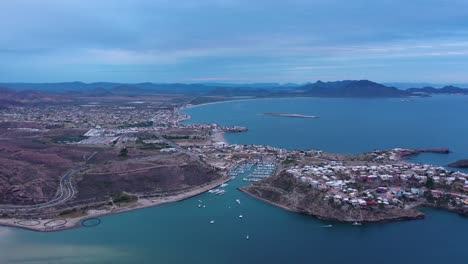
(253,171)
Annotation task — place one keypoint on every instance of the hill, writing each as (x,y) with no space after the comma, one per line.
(361,88)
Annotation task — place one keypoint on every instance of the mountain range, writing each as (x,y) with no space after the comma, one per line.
(18,93)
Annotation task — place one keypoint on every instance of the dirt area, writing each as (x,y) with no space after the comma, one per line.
(30,170)
(158,173)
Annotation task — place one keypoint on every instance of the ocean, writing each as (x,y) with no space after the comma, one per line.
(181,232)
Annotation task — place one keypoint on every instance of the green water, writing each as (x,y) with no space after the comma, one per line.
(181,232)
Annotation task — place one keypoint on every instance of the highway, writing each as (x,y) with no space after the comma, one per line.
(66,192)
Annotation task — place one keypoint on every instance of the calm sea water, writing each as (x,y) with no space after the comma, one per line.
(181,232)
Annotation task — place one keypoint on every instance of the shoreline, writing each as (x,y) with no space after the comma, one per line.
(184,107)
(189,106)
(319,217)
(219,137)
(75,222)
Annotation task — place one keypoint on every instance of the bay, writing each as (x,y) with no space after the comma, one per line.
(181,232)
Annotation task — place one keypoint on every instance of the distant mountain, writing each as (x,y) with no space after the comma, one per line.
(12,97)
(443,90)
(361,88)
(40,92)
(255,85)
(407,85)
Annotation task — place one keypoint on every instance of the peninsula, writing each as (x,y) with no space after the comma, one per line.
(459,164)
(372,187)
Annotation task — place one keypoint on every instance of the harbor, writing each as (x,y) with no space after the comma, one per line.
(254,171)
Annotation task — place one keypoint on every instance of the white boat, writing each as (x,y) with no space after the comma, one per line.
(204,206)
(247,237)
(224,185)
(199,205)
(357,224)
(238,201)
(212,222)
(328,226)
(240,216)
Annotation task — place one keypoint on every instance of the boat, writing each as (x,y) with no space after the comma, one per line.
(357,224)
(212,222)
(224,185)
(238,201)
(204,206)
(199,206)
(247,237)
(328,226)
(240,216)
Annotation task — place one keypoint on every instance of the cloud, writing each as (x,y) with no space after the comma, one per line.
(84,39)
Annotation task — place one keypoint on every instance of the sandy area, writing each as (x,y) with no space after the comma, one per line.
(225,101)
(59,224)
(218,137)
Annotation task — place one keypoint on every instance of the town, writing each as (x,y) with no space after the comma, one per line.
(135,138)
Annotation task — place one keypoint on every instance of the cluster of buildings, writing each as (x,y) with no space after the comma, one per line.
(94,115)
(388,185)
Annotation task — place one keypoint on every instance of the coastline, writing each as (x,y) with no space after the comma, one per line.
(220,102)
(219,137)
(75,222)
(418,216)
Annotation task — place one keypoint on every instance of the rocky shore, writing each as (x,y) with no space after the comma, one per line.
(289,193)
(459,164)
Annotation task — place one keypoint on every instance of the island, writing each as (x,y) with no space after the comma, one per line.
(290,115)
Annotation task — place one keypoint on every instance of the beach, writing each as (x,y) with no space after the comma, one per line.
(60,224)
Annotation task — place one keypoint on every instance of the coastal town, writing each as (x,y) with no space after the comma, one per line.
(136,142)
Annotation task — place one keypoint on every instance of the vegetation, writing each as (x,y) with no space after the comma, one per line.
(123,198)
(176,137)
(123,152)
(430,183)
(68,139)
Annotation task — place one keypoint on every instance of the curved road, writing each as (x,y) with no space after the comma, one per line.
(66,191)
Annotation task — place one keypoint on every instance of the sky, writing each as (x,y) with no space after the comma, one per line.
(233,41)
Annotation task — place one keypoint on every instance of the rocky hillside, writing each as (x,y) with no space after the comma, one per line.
(287,192)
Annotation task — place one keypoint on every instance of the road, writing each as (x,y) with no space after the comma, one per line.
(177,147)
(66,192)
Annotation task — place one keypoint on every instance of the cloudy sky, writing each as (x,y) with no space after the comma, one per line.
(233,40)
